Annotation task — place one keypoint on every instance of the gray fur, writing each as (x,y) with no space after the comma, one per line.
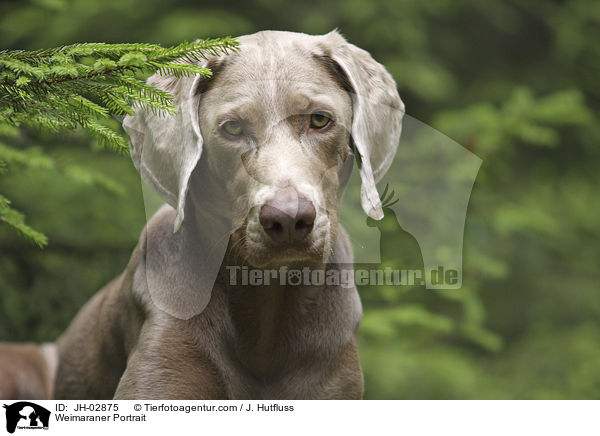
(162,330)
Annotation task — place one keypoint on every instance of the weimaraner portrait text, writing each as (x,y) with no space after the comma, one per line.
(252,169)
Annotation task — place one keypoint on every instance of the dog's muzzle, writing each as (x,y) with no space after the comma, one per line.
(287,217)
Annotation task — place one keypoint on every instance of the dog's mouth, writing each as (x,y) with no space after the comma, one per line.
(284,228)
(258,251)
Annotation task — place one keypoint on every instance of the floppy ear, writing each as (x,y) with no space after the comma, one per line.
(377,113)
(166,148)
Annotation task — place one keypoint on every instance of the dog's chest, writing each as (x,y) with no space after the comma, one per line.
(266,348)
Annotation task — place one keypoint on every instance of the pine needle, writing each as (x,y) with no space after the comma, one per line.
(85,86)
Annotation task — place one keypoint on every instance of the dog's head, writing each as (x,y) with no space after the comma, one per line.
(271,138)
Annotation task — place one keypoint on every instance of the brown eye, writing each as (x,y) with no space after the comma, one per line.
(233,128)
(319,120)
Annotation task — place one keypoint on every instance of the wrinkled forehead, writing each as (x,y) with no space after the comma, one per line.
(280,79)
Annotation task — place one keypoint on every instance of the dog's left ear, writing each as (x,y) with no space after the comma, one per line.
(376,116)
(166,148)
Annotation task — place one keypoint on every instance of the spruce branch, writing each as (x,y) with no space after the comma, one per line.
(16,220)
(83,86)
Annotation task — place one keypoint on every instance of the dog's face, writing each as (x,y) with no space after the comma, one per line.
(276,126)
(267,140)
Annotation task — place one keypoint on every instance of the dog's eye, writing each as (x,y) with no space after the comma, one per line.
(233,128)
(319,120)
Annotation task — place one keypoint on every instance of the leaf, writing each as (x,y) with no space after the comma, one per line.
(16,220)
(390,320)
(104,64)
(133,59)
(109,137)
(22,81)
(184,70)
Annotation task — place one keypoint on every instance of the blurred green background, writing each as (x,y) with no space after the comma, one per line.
(515,82)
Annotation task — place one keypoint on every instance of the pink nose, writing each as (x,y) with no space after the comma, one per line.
(287,216)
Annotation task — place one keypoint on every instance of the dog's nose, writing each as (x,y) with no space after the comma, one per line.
(287,216)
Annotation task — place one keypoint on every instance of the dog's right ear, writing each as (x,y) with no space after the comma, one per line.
(166,148)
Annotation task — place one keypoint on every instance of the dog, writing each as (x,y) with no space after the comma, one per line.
(27,371)
(252,169)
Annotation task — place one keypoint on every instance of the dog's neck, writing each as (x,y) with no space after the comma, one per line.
(266,312)
(278,324)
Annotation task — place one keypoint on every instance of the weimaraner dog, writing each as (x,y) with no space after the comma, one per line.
(252,168)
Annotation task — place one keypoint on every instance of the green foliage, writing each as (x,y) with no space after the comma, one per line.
(16,220)
(83,85)
(521,118)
